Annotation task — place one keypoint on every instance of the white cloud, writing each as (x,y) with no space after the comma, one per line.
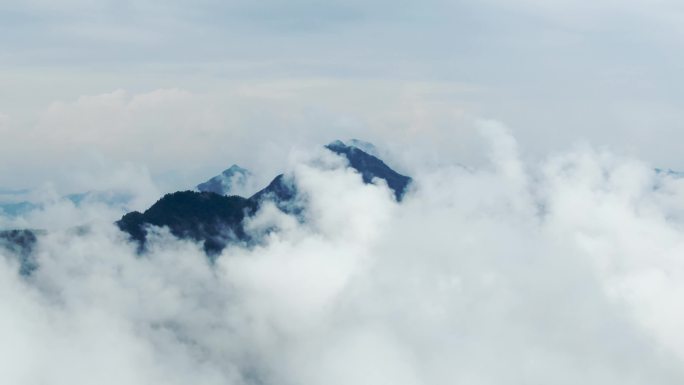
(560,271)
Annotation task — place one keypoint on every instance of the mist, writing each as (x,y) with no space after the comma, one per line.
(559,270)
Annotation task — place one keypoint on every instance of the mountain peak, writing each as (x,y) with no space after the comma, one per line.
(370,166)
(213,219)
(364,146)
(235,169)
(231,181)
(336,143)
(367,147)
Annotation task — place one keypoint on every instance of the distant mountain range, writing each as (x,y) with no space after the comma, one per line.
(16,209)
(216,220)
(669,172)
(213,215)
(120,199)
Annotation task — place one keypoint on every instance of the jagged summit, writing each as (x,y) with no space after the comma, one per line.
(230,182)
(366,147)
(371,167)
(280,189)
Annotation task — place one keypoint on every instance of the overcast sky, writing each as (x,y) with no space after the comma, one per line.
(554,256)
(185,89)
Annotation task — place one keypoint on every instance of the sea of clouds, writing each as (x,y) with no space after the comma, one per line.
(567,270)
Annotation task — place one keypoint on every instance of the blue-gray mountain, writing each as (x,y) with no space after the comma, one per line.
(217,220)
(670,172)
(112,198)
(17,209)
(230,182)
(211,217)
(370,167)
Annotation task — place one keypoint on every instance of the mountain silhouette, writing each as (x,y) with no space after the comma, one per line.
(371,167)
(213,218)
(229,182)
(216,220)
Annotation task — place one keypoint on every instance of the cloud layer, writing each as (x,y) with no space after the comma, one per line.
(562,271)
